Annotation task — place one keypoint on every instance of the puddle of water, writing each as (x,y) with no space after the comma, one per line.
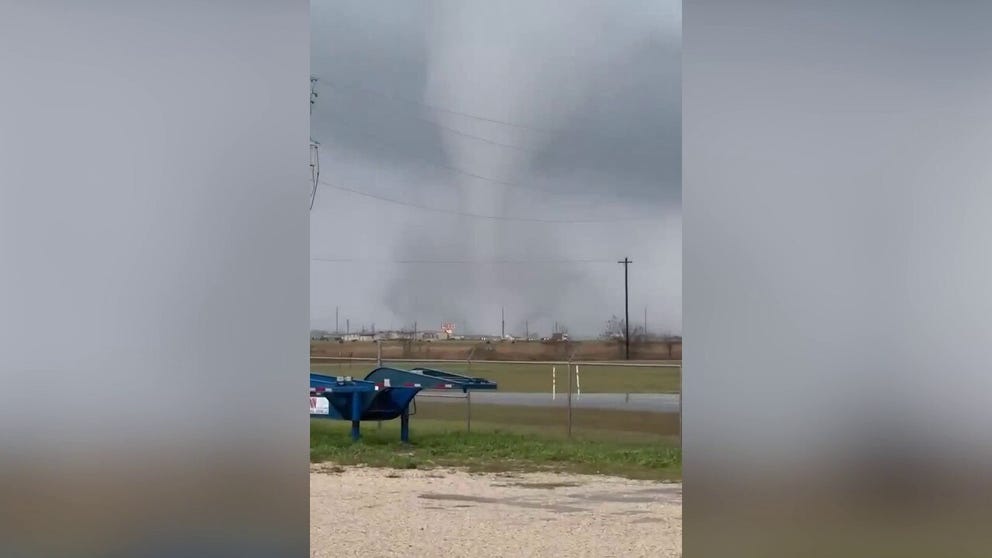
(616,498)
(546,485)
(459,498)
(641,496)
(668,490)
(537,485)
(646,520)
(504,501)
(630,512)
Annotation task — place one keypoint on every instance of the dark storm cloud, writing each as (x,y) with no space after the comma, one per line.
(631,125)
(371,62)
(594,92)
(374,73)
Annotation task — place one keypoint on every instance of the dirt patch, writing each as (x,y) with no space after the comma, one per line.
(460,514)
(671,494)
(513,502)
(540,485)
(481,351)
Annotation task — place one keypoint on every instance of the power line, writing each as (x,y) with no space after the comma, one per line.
(451,168)
(626,307)
(444,110)
(475,137)
(468,135)
(314,170)
(314,145)
(507,183)
(462,262)
(477,215)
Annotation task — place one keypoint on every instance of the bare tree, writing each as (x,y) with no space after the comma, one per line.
(616,330)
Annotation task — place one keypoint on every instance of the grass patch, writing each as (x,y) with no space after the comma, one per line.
(439,444)
(536,378)
(591,424)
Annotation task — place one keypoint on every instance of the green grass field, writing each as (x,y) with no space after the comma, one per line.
(587,424)
(444,443)
(536,377)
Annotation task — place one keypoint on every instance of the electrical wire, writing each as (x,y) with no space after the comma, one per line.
(464,262)
(443,109)
(314,170)
(477,215)
(506,183)
(472,136)
(511,184)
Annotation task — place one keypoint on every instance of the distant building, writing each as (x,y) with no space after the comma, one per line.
(448,330)
(358,337)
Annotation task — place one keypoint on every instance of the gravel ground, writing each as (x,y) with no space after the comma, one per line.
(382,512)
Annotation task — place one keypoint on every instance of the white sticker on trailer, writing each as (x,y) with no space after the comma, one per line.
(319,406)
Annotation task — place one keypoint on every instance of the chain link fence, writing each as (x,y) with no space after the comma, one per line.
(631,401)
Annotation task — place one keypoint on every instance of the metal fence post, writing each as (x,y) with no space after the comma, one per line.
(680,407)
(468,405)
(569,367)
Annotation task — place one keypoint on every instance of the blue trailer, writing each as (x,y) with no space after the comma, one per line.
(385,394)
(344,398)
(427,378)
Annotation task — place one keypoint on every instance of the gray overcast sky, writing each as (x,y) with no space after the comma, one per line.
(478,155)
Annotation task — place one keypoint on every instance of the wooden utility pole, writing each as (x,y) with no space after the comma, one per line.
(314,146)
(626,307)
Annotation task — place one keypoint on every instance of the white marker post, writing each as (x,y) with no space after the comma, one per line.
(553,380)
(578,386)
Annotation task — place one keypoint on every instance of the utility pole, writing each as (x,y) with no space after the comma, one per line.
(347,326)
(626,306)
(526,330)
(502,321)
(645,332)
(314,146)
(336,323)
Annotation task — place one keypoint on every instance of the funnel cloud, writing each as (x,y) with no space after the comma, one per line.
(481,156)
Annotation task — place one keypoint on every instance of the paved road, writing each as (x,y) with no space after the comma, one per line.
(657,402)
